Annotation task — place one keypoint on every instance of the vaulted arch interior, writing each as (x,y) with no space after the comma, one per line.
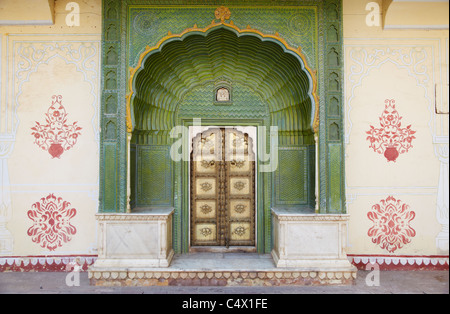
(259,71)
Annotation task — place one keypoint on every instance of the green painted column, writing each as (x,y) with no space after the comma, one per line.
(332,172)
(111,152)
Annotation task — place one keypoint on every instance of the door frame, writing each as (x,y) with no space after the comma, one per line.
(252,132)
(262,187)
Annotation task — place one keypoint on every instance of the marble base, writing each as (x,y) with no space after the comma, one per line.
(315,242)
(134,240)
(136,250)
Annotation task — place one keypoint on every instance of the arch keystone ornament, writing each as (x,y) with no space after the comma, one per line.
(223,13)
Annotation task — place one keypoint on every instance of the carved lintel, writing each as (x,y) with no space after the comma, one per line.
(290,215)
(162,214)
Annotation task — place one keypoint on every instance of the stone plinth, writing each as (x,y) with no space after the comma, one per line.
(134,240)
(217,269)
(310,241)
(136,250)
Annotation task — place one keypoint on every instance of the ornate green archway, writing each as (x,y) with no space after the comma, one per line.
(271,85)
(148,90)
(179,63)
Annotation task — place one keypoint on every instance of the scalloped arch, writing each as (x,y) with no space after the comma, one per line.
(179,63)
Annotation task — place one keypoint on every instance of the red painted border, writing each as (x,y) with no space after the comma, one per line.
(45,263)
(362,262)
(400,262)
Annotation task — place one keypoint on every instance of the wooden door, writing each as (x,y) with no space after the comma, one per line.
(222,189)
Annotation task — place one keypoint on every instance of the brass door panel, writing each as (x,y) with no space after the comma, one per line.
(222,189)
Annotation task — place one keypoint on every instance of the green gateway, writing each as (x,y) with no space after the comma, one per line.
(271,66)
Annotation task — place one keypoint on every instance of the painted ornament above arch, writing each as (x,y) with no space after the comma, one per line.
(222,13)
(390,139)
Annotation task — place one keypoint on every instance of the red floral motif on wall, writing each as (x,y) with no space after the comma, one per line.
(51,218)
(391,228)
(391,139)
(56,136)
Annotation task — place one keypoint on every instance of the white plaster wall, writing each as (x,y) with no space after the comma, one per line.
(37,63)
(411,67)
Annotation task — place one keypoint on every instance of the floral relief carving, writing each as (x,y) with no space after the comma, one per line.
(391,228)
(57,135)
(207,164)
(239,185)
(206,186)
(206,209)
(390,139)
(206,232)
(52,225)
(238,163)
(240,208)
(222,13)
(223,94)
(207,145)
(240,231)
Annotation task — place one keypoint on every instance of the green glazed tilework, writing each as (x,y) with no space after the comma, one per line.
(297,25)
(312,175)
(291,177)
(154,180)
(334,182)
(245,104)
(315,25)
(263,78)
(110,177)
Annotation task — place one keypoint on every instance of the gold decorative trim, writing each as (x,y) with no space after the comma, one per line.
(222,14)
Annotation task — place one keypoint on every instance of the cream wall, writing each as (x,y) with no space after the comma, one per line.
(39,62)
(409,64)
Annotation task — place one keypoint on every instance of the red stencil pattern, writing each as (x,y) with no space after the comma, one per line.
(391,228)
(51,218)
(390,139)
(56,136)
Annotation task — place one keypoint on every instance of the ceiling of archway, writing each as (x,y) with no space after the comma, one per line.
(277,76)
